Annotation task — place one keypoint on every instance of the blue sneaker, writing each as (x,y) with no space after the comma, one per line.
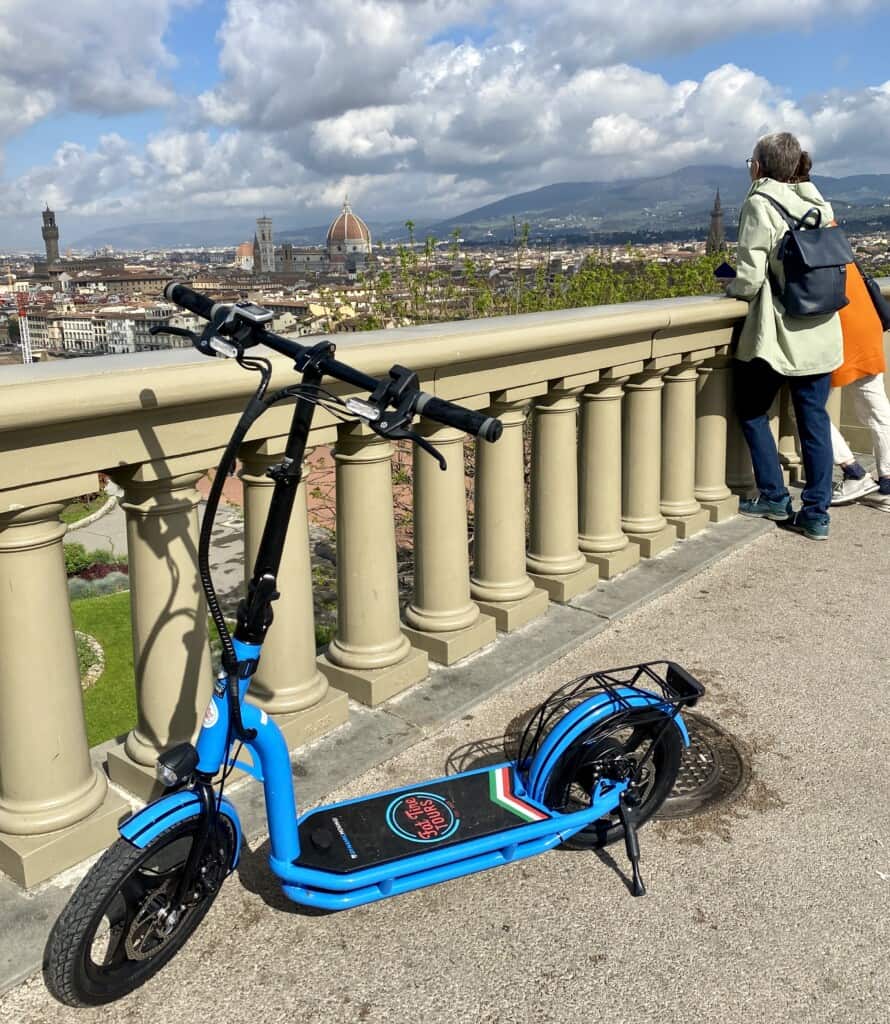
(762,508)
(811,524)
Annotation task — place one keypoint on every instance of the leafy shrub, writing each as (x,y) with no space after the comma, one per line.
(111,583)
(76,559)
(92,565)
(98,570)
(78,588)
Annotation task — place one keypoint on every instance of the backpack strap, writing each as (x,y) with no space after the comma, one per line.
(793,222)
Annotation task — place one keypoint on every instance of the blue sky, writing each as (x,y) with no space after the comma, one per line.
(204,110)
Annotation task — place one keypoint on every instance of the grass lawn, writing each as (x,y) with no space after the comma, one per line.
(78,510)
(110,704)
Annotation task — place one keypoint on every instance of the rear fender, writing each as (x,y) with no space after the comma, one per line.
(582,718)
(146,825)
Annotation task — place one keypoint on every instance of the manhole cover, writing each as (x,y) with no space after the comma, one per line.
(713,771)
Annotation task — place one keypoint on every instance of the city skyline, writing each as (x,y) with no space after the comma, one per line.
(191,110)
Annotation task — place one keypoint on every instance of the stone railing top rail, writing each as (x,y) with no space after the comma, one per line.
(159,413)
(42,394)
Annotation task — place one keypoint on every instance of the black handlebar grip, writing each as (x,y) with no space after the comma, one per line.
(188,298)
(479,424)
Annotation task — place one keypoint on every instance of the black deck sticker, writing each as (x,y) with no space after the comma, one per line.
(388,827)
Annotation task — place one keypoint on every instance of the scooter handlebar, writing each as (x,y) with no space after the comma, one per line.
(188,298)
(479,424)
(447,413)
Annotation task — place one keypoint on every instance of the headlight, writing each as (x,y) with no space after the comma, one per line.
(177,764)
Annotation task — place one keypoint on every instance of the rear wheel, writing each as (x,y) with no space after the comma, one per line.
(608,749)
(121,926)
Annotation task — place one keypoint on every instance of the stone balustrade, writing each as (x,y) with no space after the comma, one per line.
(632,449)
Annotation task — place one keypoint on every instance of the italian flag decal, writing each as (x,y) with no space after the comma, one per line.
(500,783)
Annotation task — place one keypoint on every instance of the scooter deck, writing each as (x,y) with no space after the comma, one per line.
(387,827)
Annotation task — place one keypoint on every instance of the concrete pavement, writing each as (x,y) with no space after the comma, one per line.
(775,908)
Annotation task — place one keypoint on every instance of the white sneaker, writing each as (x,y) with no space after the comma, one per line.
(878,501)
(845,491)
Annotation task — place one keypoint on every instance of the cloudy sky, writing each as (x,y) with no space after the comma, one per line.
(191,110)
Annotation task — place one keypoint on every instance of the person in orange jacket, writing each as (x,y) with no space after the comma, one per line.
(862,371)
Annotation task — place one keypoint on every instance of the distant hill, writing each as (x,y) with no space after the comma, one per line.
(675,205)
(669,205)
(201,233)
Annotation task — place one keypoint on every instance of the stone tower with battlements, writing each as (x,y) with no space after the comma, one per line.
(50,234)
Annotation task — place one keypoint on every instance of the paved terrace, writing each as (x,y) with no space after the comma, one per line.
(773,908)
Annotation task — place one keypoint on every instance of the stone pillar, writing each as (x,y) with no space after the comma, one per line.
(789,445)
(678,502)
(288,683)
(55,808)
(739,471)
(441,619)
(641,473)
(370,658)
(833,405)
(555,562)
(712,412)
(499,584)
(171,656)
(601,538)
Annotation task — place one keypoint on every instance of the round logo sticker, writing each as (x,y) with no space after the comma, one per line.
(421,818)
(211,715)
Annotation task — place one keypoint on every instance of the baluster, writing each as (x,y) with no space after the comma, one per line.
(441,619)
(370,658)
(678,503)
(600,537)
(641,477)
(789,444)
(739,471)
(500,585)
(288,683)
(55,806)
(712,413)
(171,656)
(554,560)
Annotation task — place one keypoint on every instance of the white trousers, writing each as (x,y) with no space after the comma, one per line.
(873,410)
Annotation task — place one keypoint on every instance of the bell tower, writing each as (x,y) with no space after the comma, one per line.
(716,236)
(50,236)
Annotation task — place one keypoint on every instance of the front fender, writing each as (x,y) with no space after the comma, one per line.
(582,718)
(146,825)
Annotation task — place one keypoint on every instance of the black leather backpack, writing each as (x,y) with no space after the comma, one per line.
(815,260)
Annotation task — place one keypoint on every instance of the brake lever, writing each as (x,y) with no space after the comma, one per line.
(400,434)
(180,332)
(208,343)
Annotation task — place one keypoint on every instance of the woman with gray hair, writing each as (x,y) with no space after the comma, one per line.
(776,348)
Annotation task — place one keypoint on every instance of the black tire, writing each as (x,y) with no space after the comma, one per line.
(125,890)
(628,735)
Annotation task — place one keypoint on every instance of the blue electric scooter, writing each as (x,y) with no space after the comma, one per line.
(594,762)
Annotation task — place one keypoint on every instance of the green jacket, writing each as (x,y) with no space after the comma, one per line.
(793,346)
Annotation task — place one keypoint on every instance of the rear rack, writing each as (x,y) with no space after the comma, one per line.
(665,679)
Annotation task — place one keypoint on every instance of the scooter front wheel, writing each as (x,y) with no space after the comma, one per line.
(120,927)
(625,739)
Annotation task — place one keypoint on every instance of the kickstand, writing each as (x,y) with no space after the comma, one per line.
(632,845)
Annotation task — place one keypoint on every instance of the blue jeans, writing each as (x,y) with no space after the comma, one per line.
(756,386)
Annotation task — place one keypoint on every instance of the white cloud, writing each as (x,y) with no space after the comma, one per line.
(82,55)
(415,107)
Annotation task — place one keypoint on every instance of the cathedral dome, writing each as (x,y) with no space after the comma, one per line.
(348,230)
